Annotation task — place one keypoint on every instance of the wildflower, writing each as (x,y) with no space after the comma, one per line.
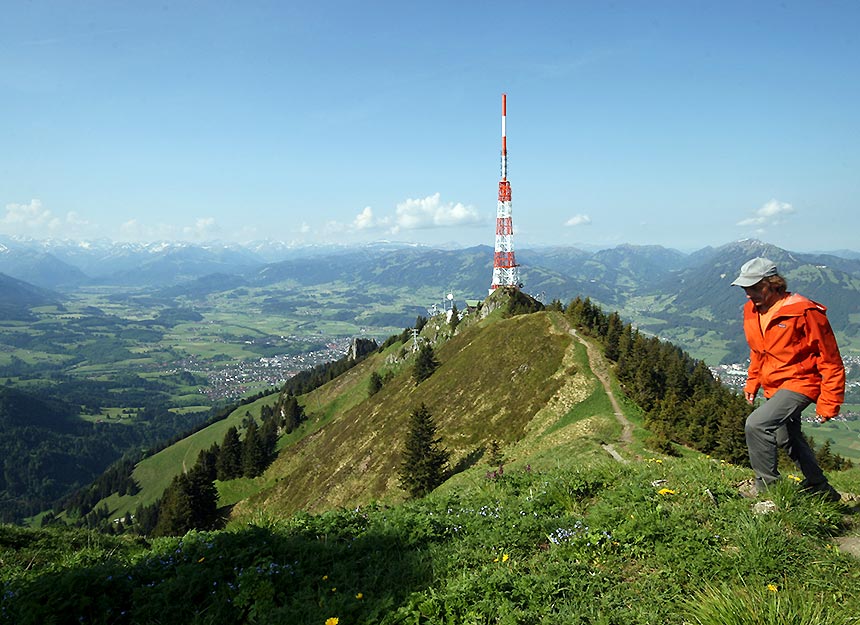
(325,577)
(332,621)
(358,595)
(772,587)
(795,478)
(505,557)
(334,589)
(667,491)
(201,559)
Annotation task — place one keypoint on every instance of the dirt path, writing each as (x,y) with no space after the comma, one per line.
(600,369)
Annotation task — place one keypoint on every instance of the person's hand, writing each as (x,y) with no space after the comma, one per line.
(750,397)
(820,418)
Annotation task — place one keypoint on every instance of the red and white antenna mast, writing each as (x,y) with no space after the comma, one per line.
(505,268)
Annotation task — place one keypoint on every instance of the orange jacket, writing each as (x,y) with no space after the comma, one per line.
(798,352)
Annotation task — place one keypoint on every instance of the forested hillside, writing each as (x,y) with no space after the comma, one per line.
(47,450)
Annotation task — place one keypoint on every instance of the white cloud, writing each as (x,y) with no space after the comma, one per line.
(32,218)
(578,220)
(770,213)
(36,220)
(131,229)
(75,221)
(411,214)
(204,229)
(364,220)
(430,212)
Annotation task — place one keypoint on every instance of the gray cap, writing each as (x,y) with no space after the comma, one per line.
(754,270)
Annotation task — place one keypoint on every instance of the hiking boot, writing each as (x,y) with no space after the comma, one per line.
(823,490)
(747,489)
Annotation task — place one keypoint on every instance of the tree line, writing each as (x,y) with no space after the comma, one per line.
(681,399)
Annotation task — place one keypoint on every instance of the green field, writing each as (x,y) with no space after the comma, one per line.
(845,437)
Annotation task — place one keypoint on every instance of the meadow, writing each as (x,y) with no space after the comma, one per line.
(571,539)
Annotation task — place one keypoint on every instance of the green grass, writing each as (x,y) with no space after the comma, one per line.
(845,437)
(154,474)
(663,540)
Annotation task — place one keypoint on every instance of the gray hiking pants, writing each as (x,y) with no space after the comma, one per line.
(776,423)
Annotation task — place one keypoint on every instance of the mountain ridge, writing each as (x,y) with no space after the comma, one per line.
(686,298)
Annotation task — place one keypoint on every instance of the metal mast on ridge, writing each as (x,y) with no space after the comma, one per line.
(505,268)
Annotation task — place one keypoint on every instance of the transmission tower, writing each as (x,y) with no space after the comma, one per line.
(505,268)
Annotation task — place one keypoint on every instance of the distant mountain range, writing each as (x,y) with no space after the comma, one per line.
(686,298)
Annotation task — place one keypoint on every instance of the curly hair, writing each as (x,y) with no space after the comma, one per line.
(777,283)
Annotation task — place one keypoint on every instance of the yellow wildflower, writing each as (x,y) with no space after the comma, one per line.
(667,491)
(358,595)
(332,621)
(772,587)
(795,478)
(505,558)
(325,577)
(201,559)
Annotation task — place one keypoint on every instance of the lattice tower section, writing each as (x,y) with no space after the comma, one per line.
(505,268)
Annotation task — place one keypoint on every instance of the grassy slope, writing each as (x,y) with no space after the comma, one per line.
(511,375)
(155,473)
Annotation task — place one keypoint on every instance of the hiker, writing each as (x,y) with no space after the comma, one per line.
(794,358)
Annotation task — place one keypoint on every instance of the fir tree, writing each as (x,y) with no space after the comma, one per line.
(269,437)
(425,364)
(190,502)
(495,457)
(254,459)
(207,461)
(613,337)
(229,463)
(374,385)
(292,413)
(425,461)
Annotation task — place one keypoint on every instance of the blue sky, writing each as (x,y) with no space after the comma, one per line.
(681,124)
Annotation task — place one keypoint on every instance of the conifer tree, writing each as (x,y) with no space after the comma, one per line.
(375,384)
(495,457)
(207,461)
(292,413)
(229,463)
(613,336)
(420,322)
(425,461)
(254,459)
(146,517)
(269,437)
(425,364)
(190,502)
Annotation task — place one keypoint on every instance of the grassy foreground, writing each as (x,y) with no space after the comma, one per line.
(657,540)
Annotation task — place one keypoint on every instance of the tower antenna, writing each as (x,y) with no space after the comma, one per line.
(505,268)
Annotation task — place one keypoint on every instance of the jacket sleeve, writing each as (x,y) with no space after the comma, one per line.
(753,385)
(829,363)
